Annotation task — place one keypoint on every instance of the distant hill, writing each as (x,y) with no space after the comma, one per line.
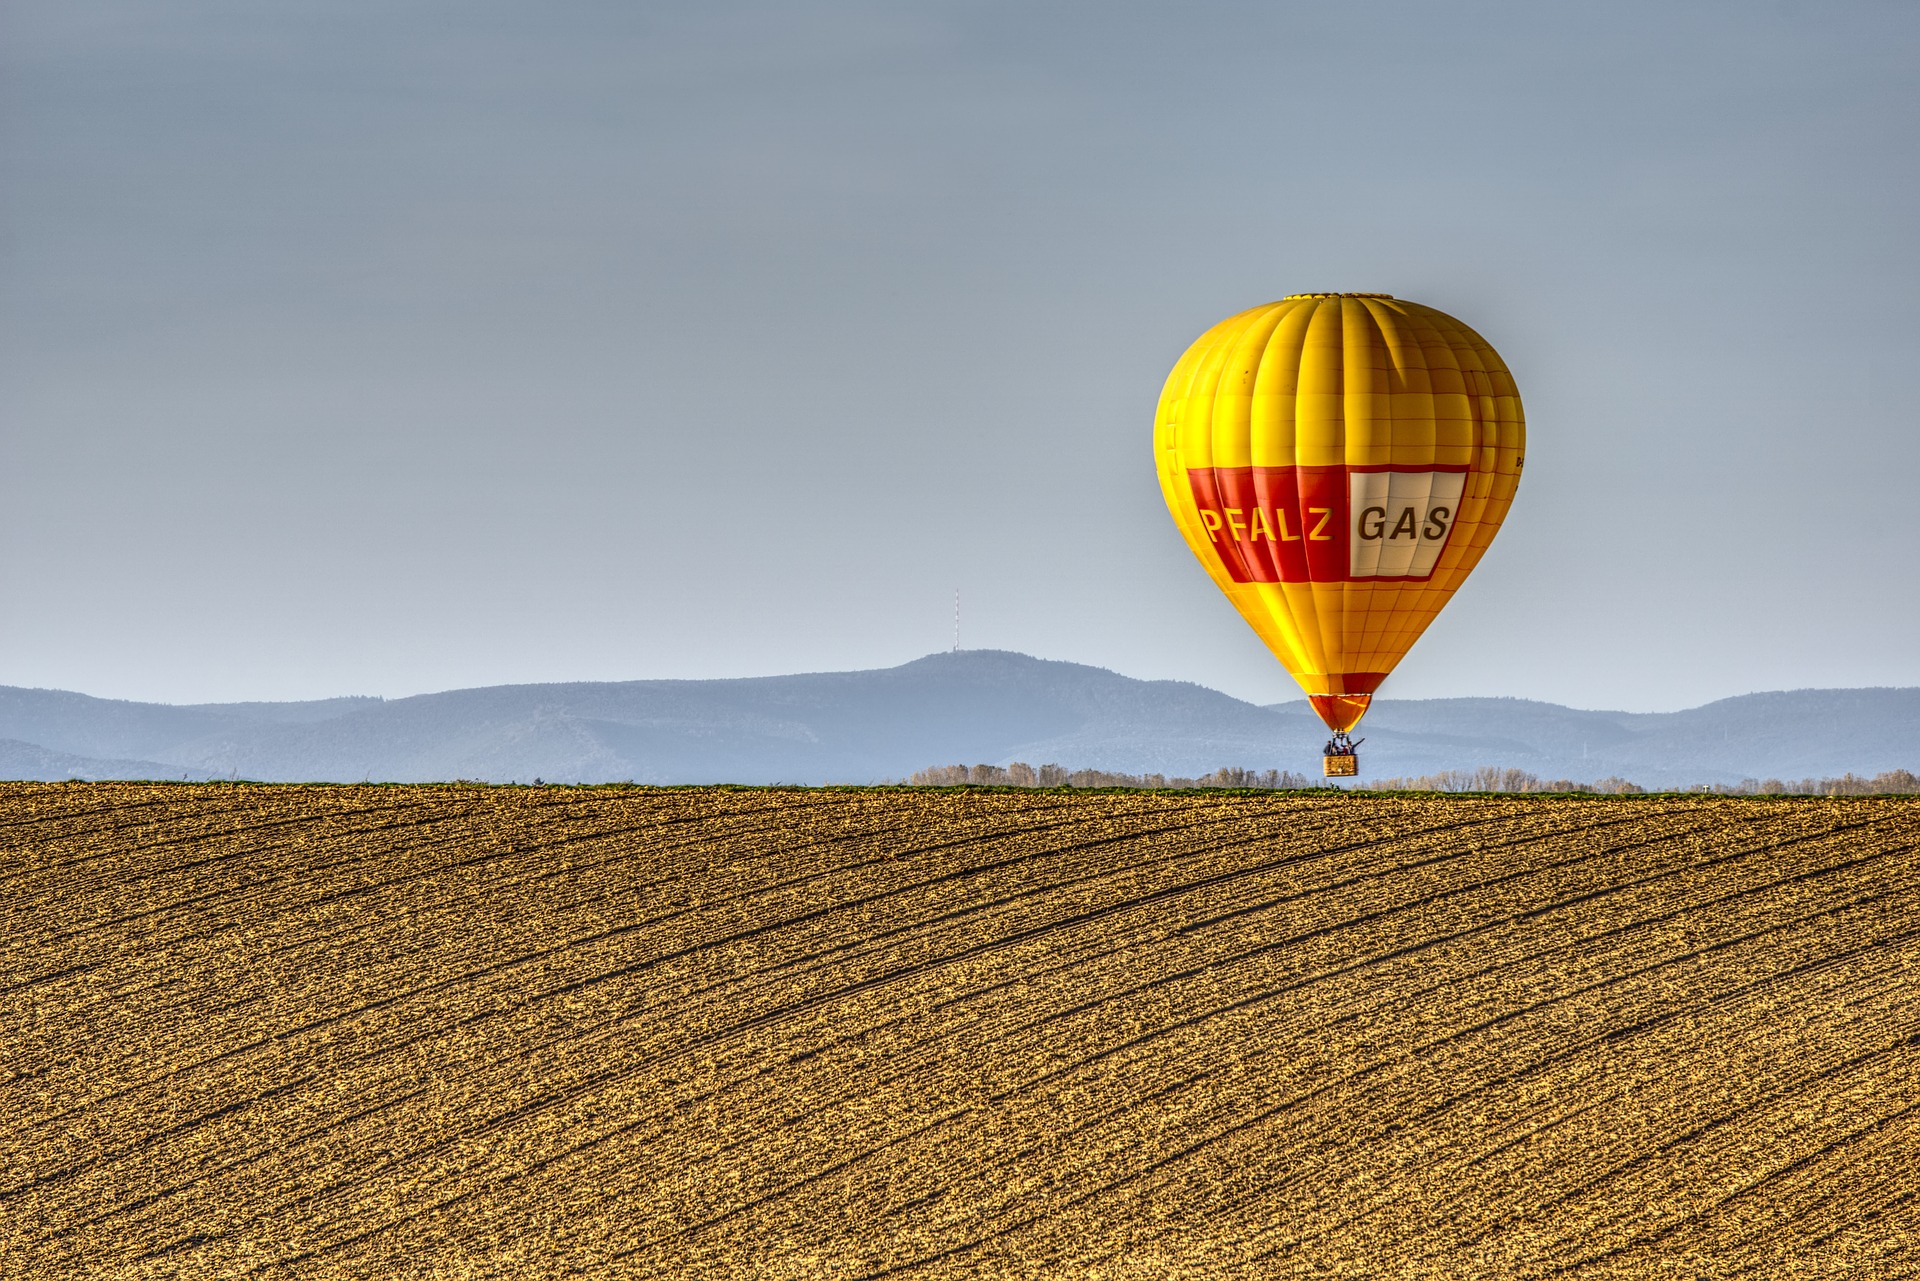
(1806,733)
(28,761)
(972,707)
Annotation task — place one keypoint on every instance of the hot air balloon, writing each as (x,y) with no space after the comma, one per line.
(1339,463)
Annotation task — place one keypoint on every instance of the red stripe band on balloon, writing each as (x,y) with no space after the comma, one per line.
(1336,524)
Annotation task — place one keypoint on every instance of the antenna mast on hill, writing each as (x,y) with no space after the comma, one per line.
(956,620)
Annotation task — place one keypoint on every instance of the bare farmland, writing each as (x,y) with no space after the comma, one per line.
(462,1031)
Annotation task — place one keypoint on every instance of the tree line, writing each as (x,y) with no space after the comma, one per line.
(1021,774)
(1487,778)
(1894,782)
(1492,778)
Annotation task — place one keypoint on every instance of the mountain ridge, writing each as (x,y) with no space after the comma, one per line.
(970,707)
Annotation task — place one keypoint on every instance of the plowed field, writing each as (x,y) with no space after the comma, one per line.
(448,1032)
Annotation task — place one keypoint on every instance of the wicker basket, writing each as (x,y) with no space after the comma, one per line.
(1343,765)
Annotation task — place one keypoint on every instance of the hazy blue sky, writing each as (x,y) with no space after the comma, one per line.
(396,346)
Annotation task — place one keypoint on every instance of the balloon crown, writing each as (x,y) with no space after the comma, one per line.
(1291,297)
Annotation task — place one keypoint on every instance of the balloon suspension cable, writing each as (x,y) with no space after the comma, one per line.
(1341,745)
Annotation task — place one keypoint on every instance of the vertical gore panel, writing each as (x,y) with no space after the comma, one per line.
(1320,403)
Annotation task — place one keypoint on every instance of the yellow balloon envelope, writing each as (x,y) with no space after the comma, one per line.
(1339,463)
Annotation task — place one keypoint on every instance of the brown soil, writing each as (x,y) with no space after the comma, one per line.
(461,1031)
